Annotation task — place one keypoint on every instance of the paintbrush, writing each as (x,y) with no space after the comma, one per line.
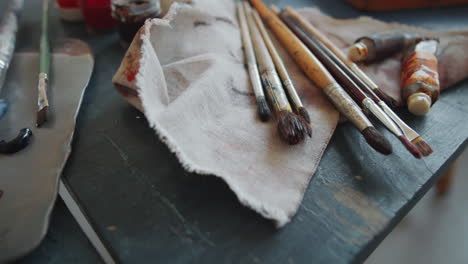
(353,66)
(326,44)
(263,109)
(288,84)
(323,79)
(331,62)
(291,127)
(42,101)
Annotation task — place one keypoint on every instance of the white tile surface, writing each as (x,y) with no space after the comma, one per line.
(435,231)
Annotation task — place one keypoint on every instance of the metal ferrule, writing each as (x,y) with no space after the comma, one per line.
(382,116)
(346,106)
(407,131)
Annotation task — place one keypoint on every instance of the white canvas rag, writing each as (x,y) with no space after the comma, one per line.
(185,72)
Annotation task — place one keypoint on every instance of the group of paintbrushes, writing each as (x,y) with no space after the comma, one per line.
(266,67)
(342,81)
(10,21)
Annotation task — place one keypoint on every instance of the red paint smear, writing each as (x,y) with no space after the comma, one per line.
(131,75)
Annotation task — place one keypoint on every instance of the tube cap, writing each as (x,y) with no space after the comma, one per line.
(358,52)
(419,103)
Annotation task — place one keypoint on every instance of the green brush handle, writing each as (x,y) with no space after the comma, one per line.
(44,45)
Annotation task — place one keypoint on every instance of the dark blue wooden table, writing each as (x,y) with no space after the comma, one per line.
(149,210)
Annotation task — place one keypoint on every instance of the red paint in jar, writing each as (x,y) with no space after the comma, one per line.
(69,10)
(97,14)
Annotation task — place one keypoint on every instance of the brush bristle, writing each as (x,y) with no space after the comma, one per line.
(411,147)
(377,140)
(386,98)
(304,114)
(421,144)
(292,128)
(264,112)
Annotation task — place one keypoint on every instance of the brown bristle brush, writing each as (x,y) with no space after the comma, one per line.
(312,67)
(377,140)
(288,84)
(291,127)
(422,146)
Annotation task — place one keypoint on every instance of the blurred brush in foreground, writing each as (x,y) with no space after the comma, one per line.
(8,30)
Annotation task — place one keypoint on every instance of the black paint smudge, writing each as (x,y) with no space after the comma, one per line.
(230,84)
(226,20)
(1,194)
(242,93)
(200,23)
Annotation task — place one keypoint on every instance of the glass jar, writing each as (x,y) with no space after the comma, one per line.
(130,15)
(97,15)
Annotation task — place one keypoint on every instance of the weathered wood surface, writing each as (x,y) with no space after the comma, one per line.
(151,211)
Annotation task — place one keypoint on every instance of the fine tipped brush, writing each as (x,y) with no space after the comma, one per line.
(323,79)
(263,109)
(353,66)
(337,55)
(42,100)
(296,101)
(291,128)
(332,63)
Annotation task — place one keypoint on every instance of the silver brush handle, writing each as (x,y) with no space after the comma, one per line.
(407,131)
(382,116)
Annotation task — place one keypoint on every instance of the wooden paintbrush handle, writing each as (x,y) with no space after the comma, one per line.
(333,65)
(265,62)
(249,53)
(306,60)
(280,67)
(351,87)
(276,94)
(346,106)
(314,31)
(313,68)
(269,76)
(310,29)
